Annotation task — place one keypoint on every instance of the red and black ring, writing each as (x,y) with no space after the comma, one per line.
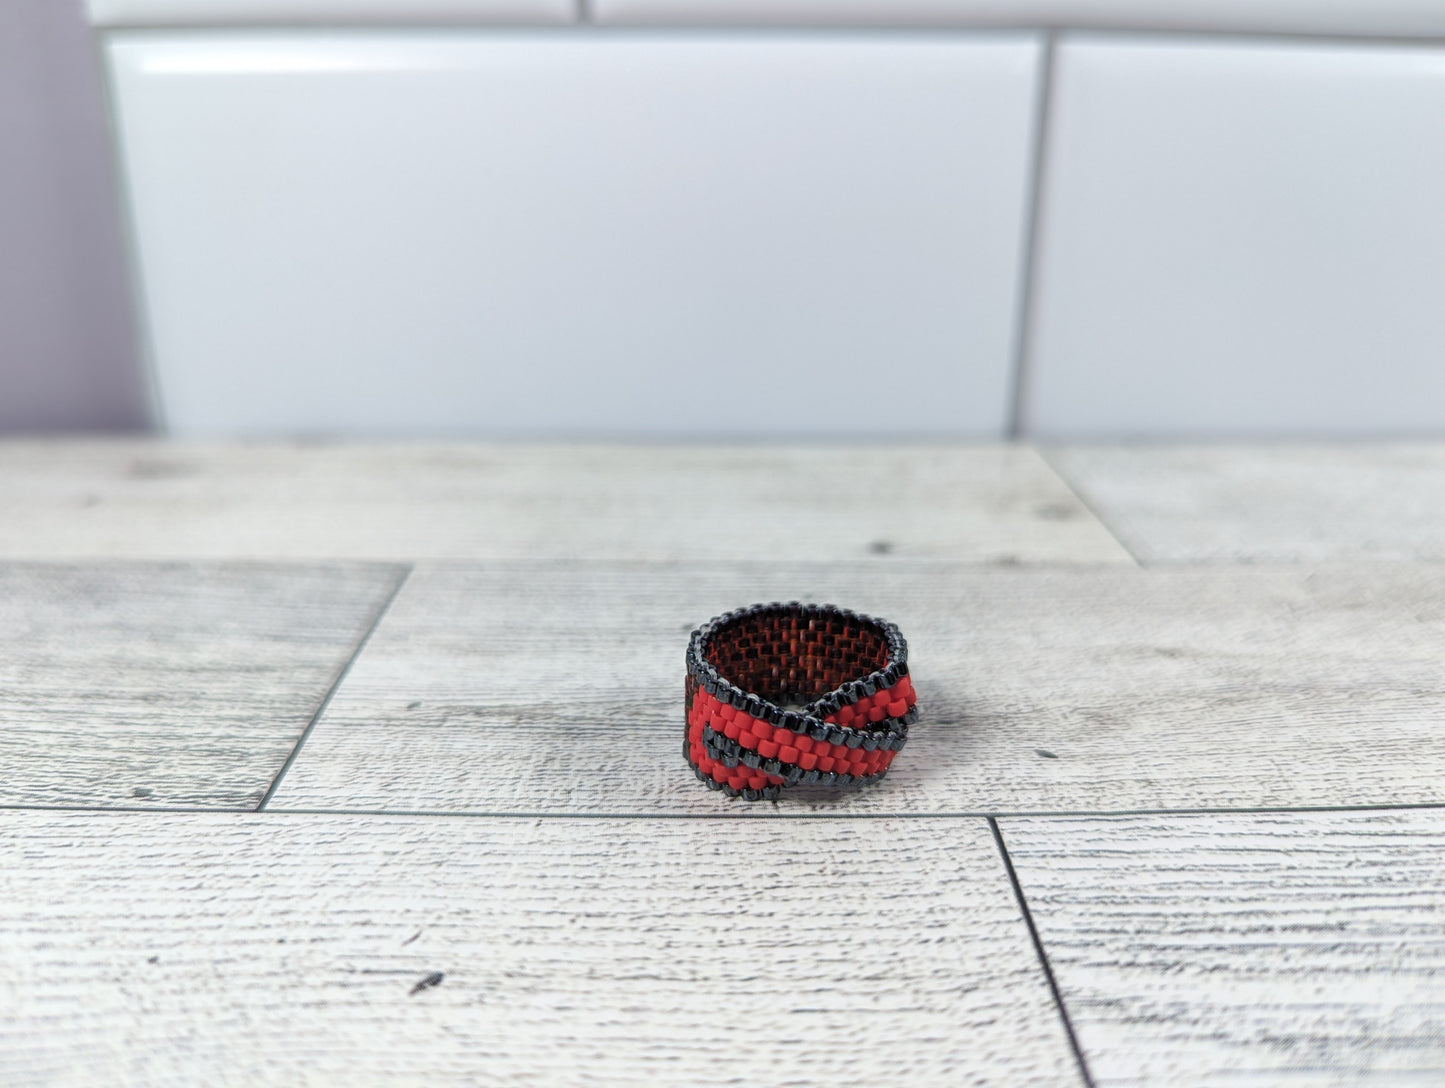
(794,694)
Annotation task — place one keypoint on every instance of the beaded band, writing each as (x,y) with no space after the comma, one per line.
(848,674)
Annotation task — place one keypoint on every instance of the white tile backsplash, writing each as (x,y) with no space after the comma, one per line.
(206,13)
(1241,238)
(1423,18)
(552,233)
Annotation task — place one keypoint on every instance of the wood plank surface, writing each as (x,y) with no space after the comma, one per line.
(168,684)
(1302,949)
(117,499)
(1307,502)
(557,687)
(264,949)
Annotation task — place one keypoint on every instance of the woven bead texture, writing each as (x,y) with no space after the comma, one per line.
(782,695)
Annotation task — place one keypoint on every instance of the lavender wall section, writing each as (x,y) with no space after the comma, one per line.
(68,346)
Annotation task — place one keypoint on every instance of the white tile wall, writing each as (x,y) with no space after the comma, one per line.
(199,13)
(517,232)
(1241,237)
(1352,17)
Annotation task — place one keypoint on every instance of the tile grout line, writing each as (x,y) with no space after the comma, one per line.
(143,338)
(1078,491)
(1031,244)
(1039,950)
(336,683)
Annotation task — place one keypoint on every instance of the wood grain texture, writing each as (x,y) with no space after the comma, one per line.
(1300,949)
(408,501)
(1309,502)
(167,684)
(265,949)
(520,687)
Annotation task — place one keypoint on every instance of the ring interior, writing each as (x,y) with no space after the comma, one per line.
(795,657)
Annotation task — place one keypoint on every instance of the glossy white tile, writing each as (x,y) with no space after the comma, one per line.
(1350,17)
(523,233)
(204,13)
(1241,238)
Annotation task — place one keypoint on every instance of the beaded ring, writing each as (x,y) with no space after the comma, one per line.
(795,695)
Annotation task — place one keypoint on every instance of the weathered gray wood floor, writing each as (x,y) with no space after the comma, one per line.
(359,765)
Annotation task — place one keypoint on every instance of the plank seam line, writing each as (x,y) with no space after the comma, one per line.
(1039,950)
(558,814)
(1081,493)
(340,677)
